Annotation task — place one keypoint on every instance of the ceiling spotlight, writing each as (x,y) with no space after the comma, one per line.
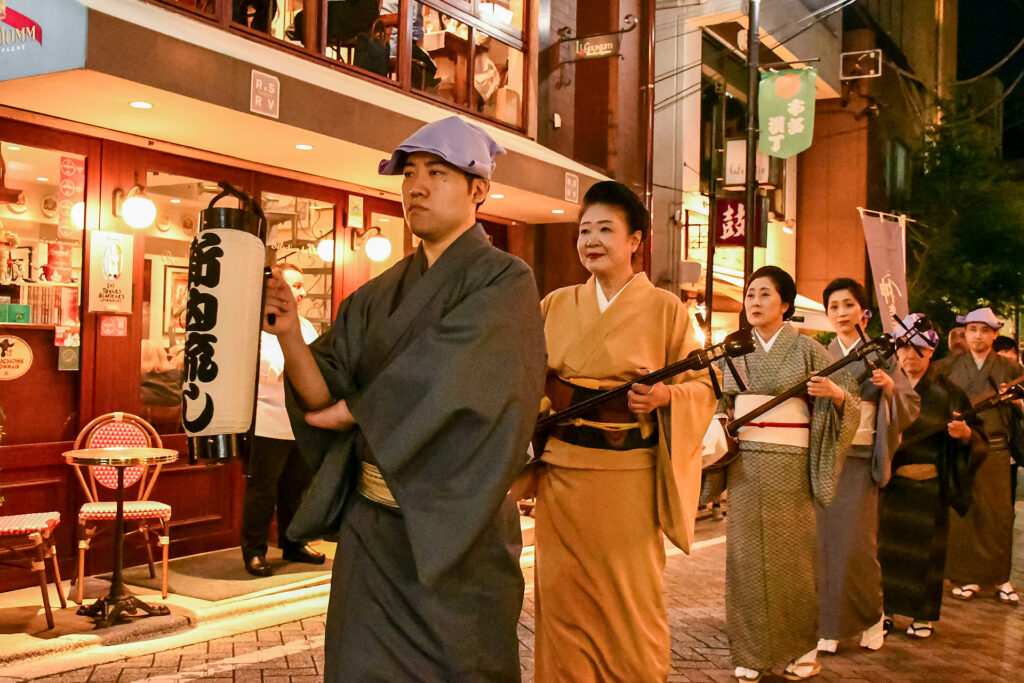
(43,180)
(13,148)
(557,210)
(139,104)
(304,147)
(175,201)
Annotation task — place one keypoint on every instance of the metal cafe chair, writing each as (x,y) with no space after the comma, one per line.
(20,534)
(33,533)
(121,430)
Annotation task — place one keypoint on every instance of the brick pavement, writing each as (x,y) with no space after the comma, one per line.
(980,640)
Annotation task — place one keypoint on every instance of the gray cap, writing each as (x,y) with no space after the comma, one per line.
(981,315)
(463,145)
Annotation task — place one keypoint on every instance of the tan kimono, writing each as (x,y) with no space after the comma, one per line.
(601,512)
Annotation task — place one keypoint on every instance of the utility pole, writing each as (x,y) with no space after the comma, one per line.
(753,81)
(717,170)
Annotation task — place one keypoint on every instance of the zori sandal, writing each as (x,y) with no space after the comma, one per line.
(920,629)
(966,592)
(798,671)
(744,674)
(1008,597)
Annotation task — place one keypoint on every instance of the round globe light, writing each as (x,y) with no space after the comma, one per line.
(78,215)
(325,250)
(139,212)
(378,248)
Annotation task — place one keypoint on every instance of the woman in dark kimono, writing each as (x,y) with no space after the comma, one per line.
(928,477)
(849,577)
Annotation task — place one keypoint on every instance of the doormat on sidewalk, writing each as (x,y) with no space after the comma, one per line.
(220,575)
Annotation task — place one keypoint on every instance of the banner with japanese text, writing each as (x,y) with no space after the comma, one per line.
(786,111)
(886,253)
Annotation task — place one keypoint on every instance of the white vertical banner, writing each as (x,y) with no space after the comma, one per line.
(884,235)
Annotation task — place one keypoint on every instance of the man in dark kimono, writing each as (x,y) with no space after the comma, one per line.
(931,473)
(416,411)
(981,543)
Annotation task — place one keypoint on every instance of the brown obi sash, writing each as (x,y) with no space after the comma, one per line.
(917,471)
(609,426)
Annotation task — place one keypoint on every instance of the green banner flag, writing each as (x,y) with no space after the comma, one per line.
(786,111)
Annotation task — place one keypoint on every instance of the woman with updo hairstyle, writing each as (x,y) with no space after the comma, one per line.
(612,482)
(789,460)
(849,575)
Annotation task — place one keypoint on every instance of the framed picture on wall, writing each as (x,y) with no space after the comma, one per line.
(175,296)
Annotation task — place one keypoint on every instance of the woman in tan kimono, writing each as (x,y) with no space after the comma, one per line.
(789,459)
(608,487)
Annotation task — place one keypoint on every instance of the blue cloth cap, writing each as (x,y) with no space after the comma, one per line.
(465,146)
(981,315)
(926,340)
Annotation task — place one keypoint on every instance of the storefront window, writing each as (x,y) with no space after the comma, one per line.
(42,195)
(302,234)
(178,200)
(440,59)
(204,6)
(507,14)
(391,228)
(498,80)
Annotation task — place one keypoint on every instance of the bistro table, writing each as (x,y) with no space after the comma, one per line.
(107,610)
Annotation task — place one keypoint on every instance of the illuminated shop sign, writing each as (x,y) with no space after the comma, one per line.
(41,37)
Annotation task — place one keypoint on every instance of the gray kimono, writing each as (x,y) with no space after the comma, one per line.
(981,542)
(443,369)
(770,602)
(849,576)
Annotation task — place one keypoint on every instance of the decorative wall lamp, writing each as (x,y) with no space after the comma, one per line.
(378,248)
(134,207)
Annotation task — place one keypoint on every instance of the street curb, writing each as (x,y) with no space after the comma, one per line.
(149,630)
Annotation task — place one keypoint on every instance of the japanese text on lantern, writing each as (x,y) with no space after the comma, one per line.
(201,319)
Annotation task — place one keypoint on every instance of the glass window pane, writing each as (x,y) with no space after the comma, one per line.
(302,234)
(40,293)
(204,6)
(440,60)
(498,80)
(392,228)
(178,200)
(505,13)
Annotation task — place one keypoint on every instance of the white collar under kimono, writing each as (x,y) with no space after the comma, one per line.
(767,345)
(602,301)
(846,350)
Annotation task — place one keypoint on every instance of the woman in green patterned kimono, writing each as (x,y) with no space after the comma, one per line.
(789,458)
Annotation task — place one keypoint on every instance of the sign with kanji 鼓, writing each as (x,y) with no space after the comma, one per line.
(732,222)
(786,111)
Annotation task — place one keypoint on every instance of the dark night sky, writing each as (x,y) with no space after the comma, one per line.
(988,30)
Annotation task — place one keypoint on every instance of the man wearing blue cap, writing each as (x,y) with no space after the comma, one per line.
(416,411)
(931,472)
(981,543)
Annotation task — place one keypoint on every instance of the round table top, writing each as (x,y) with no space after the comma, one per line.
(120,457)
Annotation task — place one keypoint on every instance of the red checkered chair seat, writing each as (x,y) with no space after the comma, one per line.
(18,525)
(133,509)
(117,435)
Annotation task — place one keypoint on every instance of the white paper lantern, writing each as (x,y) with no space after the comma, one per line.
(222,332)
